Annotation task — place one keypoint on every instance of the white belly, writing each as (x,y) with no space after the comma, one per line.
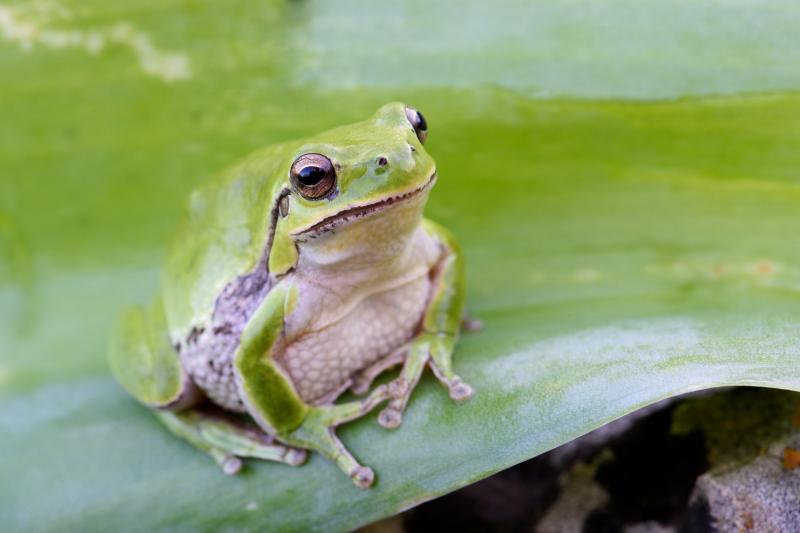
(320,362)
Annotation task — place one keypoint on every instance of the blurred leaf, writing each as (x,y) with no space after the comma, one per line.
(619,252)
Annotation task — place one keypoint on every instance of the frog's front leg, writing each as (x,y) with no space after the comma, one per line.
(440,328)
(271,398)
(147,366)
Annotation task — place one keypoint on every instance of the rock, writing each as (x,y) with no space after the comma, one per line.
(762,495)
(723,460)
(580,496)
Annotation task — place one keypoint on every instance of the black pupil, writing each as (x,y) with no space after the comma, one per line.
(421,124)
(310,175)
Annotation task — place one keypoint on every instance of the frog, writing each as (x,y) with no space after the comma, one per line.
(302,273)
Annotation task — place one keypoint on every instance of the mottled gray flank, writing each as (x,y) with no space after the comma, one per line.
(208,351)
(759,496)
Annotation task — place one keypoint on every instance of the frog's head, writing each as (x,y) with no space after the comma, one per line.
(357,189)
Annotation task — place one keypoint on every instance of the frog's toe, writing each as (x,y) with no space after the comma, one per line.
(390,418)
(230,464)
(460,391)
(363,477)
(296,456)
(399,387)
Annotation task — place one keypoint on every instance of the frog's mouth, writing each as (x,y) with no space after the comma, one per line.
(360,211)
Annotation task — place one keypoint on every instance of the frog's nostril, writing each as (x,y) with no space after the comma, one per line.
(382,161)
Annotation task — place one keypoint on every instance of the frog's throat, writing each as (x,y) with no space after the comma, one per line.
(360,211)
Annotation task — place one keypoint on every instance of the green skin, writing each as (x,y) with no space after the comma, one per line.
(225,237)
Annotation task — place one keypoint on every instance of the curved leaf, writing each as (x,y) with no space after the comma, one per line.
(618,252)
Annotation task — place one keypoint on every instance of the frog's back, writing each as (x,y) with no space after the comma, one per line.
(223,236)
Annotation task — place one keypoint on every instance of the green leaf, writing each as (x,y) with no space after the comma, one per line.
(619,252)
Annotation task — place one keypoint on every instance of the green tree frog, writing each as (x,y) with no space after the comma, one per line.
(301,273)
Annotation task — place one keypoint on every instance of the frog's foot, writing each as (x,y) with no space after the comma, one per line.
(317,433)
(437,351)
(228,440)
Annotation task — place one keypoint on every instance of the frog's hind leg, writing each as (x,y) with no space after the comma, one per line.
(228,440)
(147,365)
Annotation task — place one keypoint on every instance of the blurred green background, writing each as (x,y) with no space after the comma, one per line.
(623,176)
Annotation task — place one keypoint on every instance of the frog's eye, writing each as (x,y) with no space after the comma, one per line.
(417,122)
(312,176)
